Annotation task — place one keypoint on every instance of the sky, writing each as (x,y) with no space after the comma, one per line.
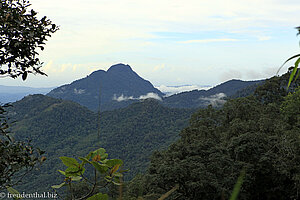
(168,42)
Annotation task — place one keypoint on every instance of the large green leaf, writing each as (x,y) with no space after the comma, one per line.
(69,162)
(237,187)
(58,186)
(102,168)
(76,178)
(114,162)
(74,171)
(291,58)
(98,196)
(13,191)
(100,152)
(84,160)
(294,72)
(62,172)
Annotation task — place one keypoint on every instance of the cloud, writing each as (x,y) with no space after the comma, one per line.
(150,95)
(48,67)
(158,67)
(231,74)
(122,98)
(79,91)
(64,67)
(264,38)
(170,90)
(74,68)
(142,97)
(94,31)
(215,100)
(209,40)
(95,28)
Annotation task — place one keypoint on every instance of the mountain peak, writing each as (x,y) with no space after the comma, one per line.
(119,67)
(118,81)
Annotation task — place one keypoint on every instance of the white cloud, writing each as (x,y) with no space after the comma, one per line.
(150,95)
(142,97)
(111,26)
(94,32)
(209,40)
(263,38)
(170,90)
(122,98)
(231,74)
(79,91)
(158,67)
(215,100)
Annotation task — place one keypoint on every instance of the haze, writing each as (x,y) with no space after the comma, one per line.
(169,42)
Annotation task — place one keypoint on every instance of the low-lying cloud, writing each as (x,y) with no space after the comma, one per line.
(142,97)
(79,91)
(214,100)
(170,90)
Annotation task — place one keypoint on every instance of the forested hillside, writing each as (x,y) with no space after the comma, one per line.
(64,128)
(258,134)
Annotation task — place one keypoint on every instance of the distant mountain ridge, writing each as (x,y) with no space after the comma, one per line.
(120,86)
(15,93)
(118,80)
(214,96)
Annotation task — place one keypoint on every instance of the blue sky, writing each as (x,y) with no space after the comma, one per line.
(169,42)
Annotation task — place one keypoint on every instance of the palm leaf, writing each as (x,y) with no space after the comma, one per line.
(295,56)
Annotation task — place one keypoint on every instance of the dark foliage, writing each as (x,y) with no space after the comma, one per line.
(21,33)
(250,133)
(17,158)
(65,128)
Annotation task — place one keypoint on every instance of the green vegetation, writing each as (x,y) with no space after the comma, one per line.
(259,133)
(294,75)
(17,157)
(21,34)
(108,169)
(65,128)
(249,148)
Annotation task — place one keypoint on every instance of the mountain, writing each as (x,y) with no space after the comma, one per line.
(64,128)
(15,93)
(120,86)
(215,96)
(119,81)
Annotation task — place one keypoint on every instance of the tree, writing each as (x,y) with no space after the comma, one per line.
(21,34)
(17,157)
(250,134)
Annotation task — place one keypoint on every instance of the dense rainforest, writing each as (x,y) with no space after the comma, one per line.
(65,128)
(258,134)
(251,141)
